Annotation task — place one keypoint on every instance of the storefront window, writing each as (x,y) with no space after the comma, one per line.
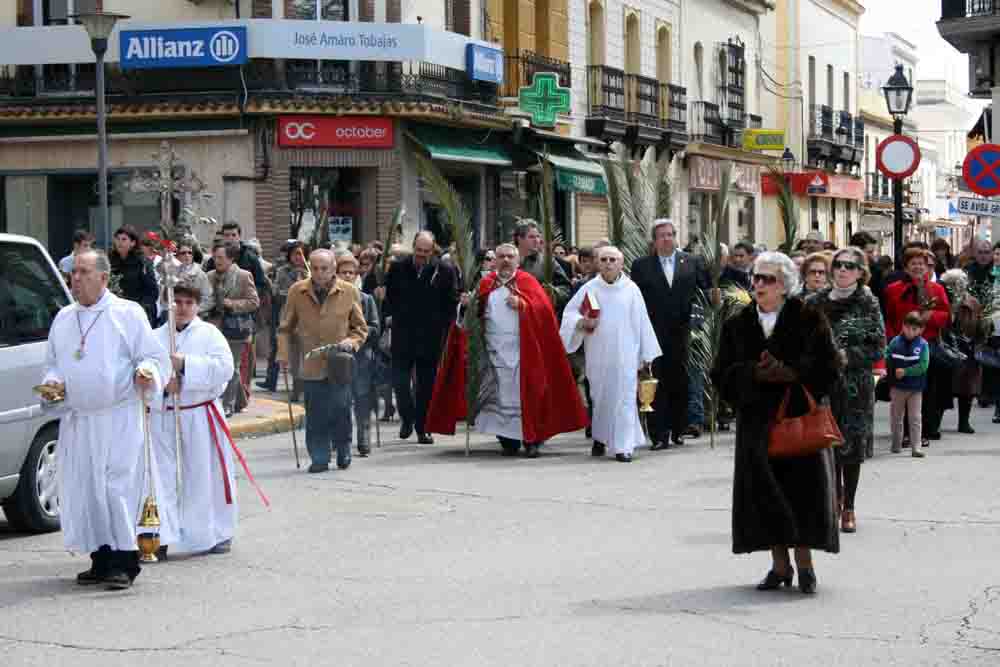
(326,204)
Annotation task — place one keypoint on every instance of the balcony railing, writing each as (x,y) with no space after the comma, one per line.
(755,122)
(388,80)
(605,92)
(845,128)
(642,100)
(962,9)
(675,112)
(706,123)
(820,122)
(522,66)
(859,133)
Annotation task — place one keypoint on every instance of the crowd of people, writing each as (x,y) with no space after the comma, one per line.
(561,348)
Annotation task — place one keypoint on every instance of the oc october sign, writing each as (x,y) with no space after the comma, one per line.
(335,131)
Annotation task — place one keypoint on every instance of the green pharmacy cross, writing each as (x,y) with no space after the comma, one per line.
(544,98)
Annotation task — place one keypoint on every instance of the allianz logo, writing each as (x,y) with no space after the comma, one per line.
(223,47)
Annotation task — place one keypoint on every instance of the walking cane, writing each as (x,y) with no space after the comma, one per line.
(291,418)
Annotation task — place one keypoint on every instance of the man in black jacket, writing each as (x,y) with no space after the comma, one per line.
(737,272)
(669,280)
(421,297)
(248,259)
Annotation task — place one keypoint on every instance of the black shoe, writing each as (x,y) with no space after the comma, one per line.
(924,442)
(531,450)
(906,442)
(677,439)
(934,435)
(807,581)
(425,439)
(89,577)
(623,458)
(118,581)
(996,419)
(363,452)
(598,449)
(774,581)
(344,466)
(388,416)
(266,387)
(661,442)
(405,430)
(161,553)
(966,428)
(692,432)
(319,467)
(510,450)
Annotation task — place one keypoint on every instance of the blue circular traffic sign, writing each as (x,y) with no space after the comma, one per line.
(981,170)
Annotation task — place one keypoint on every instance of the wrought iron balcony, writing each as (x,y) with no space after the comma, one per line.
(676,111)
(706,123)
(642,100)
(859,133)
(522,66)
(820,122)
(965,9)
(755,122)
(605,92)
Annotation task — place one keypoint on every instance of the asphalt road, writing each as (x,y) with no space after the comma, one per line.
(422,556)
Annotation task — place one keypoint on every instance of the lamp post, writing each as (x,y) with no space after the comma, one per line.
(99,26)
(898,95)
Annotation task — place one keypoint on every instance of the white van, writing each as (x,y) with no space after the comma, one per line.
(31,293)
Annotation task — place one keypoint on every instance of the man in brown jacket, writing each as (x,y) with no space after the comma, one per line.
(323,310)
(236,303)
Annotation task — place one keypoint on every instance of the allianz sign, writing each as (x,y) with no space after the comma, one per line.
(183,47)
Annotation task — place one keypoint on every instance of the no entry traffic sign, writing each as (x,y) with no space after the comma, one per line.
(897,156)
(981,170)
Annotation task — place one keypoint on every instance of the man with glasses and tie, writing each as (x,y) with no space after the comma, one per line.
(669,280)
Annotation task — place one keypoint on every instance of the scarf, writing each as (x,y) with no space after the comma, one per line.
(840,293)
(767,321)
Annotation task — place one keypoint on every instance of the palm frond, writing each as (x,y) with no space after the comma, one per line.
(788,209)
(546,217)
(665,189)
(631,201)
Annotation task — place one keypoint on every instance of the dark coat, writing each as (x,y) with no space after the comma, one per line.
(731,276)
(422,307)
(789,501)
(137,281)
(857,330)
(669,305)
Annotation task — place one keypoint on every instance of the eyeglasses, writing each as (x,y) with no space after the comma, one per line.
(490,258)
(847,266)
(765,278)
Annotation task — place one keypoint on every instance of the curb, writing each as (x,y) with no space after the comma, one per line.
(274,420)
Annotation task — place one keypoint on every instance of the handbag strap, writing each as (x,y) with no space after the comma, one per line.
(783,408)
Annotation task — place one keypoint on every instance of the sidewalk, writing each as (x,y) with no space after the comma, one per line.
(267,414)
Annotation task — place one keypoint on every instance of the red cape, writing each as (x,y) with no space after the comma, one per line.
(550,399)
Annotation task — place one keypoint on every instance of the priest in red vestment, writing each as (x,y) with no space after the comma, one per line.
(535,395)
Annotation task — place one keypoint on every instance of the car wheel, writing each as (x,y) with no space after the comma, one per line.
(34,506)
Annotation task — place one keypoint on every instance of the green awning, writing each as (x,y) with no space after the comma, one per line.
(575,172)
(453,144)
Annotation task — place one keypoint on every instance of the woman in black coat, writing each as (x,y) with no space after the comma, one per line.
(137,279)
(775,343)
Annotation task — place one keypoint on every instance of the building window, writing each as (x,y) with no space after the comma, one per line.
(633,44)
(663,65)
(321,73)
(596,16)
(732,82)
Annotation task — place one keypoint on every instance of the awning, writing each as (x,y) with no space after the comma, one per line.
(454,144)
(575,172)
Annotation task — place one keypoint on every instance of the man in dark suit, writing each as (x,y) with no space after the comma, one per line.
(669,280)
(421,298)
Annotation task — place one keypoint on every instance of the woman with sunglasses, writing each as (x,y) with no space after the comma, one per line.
(775,344)
(815,273)
(859,333)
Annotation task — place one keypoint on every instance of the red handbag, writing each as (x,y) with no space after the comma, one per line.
(801,436)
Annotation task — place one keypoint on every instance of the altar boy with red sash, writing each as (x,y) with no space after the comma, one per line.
(203,517)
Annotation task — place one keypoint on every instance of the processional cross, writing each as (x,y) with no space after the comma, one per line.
(164,180)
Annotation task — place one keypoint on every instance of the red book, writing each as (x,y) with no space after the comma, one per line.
(590,308)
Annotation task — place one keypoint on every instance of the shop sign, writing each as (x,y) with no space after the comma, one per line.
(335,132)
(573,181)
(985,207)
(818,184)
(544,99)
(706,174)
(763,140)
(183,47)
(483,63)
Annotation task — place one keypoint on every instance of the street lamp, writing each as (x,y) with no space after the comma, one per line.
(99,26)
(898,96)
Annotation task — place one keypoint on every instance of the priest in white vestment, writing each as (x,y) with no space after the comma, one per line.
(96,350)
(618,338)
(203,518)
